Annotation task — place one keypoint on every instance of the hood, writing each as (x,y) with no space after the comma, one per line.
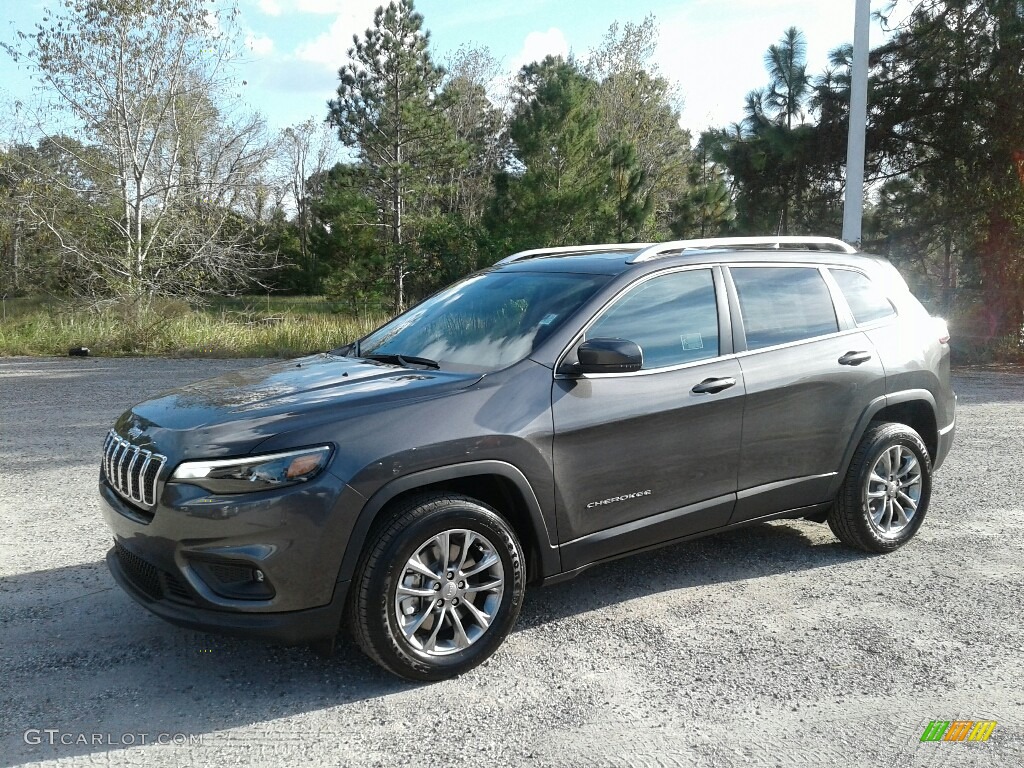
(231,414)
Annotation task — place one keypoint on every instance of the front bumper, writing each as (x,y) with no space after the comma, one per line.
(290,627)
(293,539)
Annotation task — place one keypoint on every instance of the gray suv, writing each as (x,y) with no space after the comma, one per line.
(563,408)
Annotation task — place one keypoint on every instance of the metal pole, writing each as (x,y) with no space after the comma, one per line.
(853,204)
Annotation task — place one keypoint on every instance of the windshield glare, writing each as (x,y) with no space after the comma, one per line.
(486,322)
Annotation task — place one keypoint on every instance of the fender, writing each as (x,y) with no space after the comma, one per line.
(550,559)
(876,405)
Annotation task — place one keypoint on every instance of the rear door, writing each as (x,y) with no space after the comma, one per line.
(641,457)
(809,375)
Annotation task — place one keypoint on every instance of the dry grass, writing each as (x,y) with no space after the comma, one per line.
(278,328)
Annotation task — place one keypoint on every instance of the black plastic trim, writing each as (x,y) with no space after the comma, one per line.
(289,627)
(550,560)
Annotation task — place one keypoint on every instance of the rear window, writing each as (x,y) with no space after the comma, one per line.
(783,304)
(866,300)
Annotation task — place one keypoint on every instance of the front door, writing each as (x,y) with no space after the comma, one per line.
(652,455)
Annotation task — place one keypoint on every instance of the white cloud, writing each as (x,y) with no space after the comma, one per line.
(330,49)
(717,63)
(538,45)
(260,45)
(270,7)
(318,7)
(326,7)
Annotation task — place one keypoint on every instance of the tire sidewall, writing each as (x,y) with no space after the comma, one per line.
(882,441)
(452,514)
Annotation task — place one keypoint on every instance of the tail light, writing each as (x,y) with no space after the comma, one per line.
(941,330)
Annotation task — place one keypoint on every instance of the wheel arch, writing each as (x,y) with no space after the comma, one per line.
(495,483)
(913,407)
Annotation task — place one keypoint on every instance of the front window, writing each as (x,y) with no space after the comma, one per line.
(484,323)
(673,318)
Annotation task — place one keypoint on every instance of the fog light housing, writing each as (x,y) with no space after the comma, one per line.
(234,580)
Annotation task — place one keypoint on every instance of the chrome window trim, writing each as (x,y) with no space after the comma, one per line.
(798,342)
(649,371)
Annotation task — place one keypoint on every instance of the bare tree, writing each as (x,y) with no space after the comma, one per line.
(306,150)
(477,102)
(145,84)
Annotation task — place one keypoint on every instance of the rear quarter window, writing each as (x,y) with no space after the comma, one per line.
(783,304)
(866,299)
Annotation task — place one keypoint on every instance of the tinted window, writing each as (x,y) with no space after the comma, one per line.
(673,318)
(783,304)
(866,301)
(485,322)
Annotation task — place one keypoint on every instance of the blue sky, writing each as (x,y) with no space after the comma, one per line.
(713,48)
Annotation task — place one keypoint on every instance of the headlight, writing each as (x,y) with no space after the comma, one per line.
(254,473)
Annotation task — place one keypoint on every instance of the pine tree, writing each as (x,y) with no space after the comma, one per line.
(388,112)
(557,194)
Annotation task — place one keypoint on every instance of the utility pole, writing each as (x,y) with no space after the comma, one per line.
(853,203)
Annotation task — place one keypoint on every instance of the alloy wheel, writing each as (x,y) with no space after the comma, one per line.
(893,491)
(449,592)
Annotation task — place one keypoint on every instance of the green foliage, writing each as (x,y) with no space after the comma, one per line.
(481,144)
(638,106)
(557,192)
(706,208)
(388,111)
(947,120)
(632,198)
(445,174)
(783,168)
(345,235)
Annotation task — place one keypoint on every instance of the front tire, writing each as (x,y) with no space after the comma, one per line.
(884,498)
(439,589)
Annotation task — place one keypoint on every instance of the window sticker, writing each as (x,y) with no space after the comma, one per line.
(548,319)
(692,341)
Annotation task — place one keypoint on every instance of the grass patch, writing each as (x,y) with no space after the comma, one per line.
(279,328)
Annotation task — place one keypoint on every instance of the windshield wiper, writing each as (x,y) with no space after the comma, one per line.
(403,360)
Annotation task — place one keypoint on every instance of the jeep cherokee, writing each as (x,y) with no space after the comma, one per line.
(562,408)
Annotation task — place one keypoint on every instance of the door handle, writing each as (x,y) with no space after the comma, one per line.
(854,358)
(711,386)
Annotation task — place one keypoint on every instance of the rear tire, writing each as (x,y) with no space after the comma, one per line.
(439,588)
(884,498)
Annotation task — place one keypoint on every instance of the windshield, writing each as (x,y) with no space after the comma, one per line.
(484,323)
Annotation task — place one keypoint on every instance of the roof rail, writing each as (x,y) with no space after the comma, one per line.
(768,241)
(573,249)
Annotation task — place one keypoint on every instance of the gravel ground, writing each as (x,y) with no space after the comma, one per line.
(769,646)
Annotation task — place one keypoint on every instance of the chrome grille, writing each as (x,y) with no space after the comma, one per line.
(130,470)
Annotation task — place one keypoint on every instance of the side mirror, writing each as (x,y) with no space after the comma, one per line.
(608,356)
